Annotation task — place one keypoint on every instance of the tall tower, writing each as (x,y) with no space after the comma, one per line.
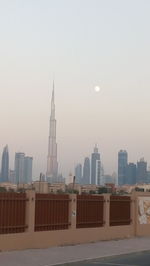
(52,164)
(141,171)
(78,173)
(95,166)
(19,167)
(5,165)
(122,167)
(86,171)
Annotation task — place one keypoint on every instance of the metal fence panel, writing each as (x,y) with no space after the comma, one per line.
(90,211)
(12,212)
(120,210)
(51,212)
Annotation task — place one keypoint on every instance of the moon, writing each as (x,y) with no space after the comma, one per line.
(97,88)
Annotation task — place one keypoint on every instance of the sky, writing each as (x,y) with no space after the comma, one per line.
(81,43)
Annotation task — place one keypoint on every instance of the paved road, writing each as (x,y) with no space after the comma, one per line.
(136,259)
(66,254)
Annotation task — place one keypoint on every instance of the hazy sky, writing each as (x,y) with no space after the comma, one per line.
(84,43)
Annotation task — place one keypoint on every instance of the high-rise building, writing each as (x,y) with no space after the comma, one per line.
(141,171)
(98,172)
(131,174)
(122,167)
(19,167)
(86,171)
(78,173)
(28,169)
(23,168)
(94,166)
(52,164)
(148,177)
(5,165)
(12,178)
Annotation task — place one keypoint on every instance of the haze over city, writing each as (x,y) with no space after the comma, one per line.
(81,44)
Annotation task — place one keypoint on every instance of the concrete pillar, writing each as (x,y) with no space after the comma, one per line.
(106,210)
(133,211)
(30,210)
(136,194)
(72,210)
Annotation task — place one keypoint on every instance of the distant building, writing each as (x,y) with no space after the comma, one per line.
(28,169)
(94,166)
(131,174)
(122,166)
(5,165)
(19,167)
(78,173)
(86,171)
(98,172)
(148,177)
(141,171)
(23,168)
(8,186)
(12,177)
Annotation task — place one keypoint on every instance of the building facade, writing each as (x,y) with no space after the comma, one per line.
(86,171)
(28,169)
(122,167)
(94,166)
(131,174)
(5,165)
(141,171)
(23,168)
(98,172)
(19,167)
(78,173)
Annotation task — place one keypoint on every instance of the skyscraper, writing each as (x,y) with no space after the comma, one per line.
(78,173)
(52,164)
(131,174)
(23,168)
(86,171)
(141,171)
(28,169)
(98,172)
(5,165)
(19,167)
(94,166)
(122,166)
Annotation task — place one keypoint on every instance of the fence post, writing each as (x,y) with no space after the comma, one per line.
(107,210)
(72,210)
(30,210)
(135,212)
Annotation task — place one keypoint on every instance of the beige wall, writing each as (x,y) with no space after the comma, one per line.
(31,239)
(141,229)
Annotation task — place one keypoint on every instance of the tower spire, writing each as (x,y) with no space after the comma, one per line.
(52,165)
(53,91)
(53,102)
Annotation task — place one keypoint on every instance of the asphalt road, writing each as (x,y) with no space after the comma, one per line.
(136,259)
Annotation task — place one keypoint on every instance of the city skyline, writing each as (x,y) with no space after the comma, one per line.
(108,46)
(90,172)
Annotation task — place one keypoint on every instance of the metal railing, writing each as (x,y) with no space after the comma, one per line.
(90,211)
(51,212)
(12,212)
(120,212)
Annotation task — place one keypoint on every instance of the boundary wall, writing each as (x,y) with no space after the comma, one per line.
(73,235)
